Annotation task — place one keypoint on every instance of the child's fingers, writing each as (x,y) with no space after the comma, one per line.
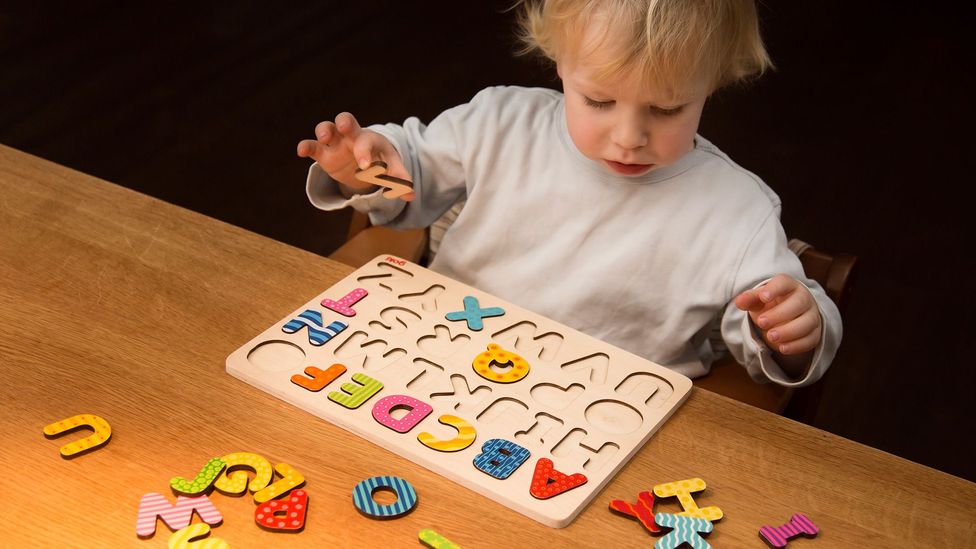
(325,132)
(800,328)
(325,155)
(371,146)
(756,299)
(785,310)
(778,286)
(749,301)
(347,125)
(307,148)
(801,345)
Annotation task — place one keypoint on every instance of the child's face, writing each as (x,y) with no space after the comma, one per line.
(625,125)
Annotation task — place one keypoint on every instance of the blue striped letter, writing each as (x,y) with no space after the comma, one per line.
(362,497)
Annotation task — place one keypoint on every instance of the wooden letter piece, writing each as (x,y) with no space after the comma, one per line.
(500,458)
(686,530)
(103,431)
(181,539)
(312,320)
(287,515)
(319,378)
(362,497)
(418,411)
(497,355)
(548,482)
(434,540)
(683,489)
(344,305)
(234,483)
(376,174)
(352,395)
(465,437)
(201,482)
(291,478)
(643,510)
(473,313)
(176,516)
(779,535)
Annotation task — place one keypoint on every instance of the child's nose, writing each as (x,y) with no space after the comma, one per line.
(630,134)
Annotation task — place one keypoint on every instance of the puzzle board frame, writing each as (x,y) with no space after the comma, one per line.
(586,405)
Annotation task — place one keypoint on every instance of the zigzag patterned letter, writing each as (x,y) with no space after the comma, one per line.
(685,531)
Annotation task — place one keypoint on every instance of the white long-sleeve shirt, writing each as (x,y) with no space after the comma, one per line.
(647,264)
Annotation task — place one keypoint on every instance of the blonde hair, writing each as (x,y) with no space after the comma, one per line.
(671,42)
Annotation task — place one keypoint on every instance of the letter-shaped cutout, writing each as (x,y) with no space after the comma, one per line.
(495,354)
(418,411)
(291,478)
(370,354)
(353,395)
(376,174)
(683,489)
(181,539)
(176,516)
(686,530)
(362,497)
(312,319)
(319,378)
(434,540)
(778,536)
(643,510)
(537,434)
(201,482)
(103,431)
(548,482)
(344,305)
(286,515)
(473,313)
(234,483)
(465,437)
(500,458)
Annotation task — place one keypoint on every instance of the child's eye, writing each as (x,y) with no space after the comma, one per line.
(597,104)
(667,112)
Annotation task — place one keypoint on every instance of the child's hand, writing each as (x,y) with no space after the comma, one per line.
(342,147)
(785,312)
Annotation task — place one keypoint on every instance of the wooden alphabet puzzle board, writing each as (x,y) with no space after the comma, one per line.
(481,391)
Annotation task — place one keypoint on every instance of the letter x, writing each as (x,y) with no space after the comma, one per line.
(473,313)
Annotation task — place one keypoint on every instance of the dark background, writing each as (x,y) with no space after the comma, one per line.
(862,130)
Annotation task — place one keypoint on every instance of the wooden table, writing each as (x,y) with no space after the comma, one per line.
(116,304)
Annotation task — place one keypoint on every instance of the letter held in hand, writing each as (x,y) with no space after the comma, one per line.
(376,174)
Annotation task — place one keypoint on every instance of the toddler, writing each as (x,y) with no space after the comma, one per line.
(601,207)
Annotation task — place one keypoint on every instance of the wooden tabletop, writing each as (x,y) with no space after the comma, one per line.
(116,304)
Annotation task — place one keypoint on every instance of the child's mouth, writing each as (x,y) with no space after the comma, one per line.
(629,169)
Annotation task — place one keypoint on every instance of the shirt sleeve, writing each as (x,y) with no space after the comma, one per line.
(767,255)
(431,155)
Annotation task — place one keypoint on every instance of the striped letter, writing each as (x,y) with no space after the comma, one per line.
(312,319)
(176,516)
(362,497)
(779,535)
(500,458)
(353,395)
(465,437)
